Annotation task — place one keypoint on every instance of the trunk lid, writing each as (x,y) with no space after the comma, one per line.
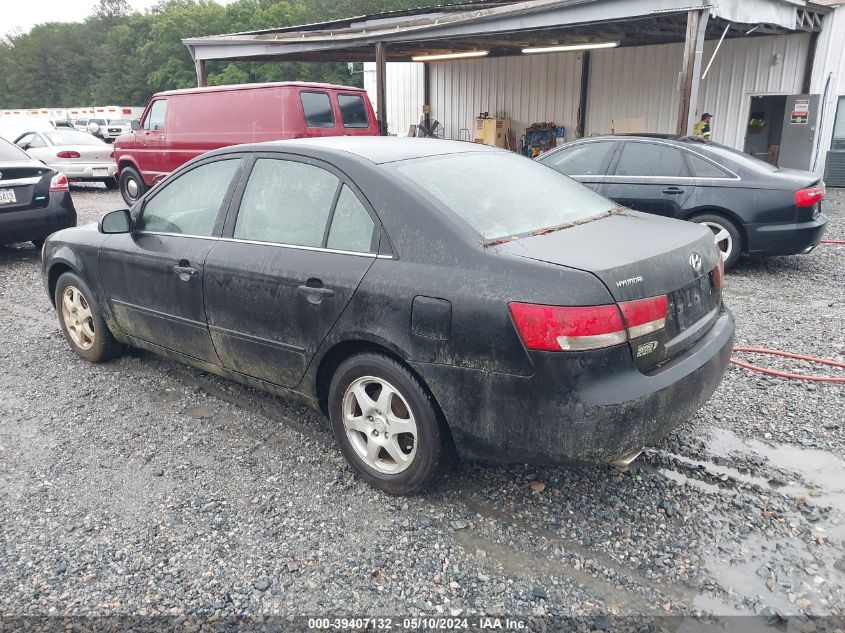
(637,256)
(24,185)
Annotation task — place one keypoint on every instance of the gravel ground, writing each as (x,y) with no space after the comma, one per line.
(142,487)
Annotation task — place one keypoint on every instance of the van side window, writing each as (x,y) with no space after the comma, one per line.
(155,117)
(353,111)
(317,108)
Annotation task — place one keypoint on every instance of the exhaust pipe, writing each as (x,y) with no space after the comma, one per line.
(622,463)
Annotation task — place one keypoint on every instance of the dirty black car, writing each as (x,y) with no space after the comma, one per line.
(433,298)
(34,199)
(750,206)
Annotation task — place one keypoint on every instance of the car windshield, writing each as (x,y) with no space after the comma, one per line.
(502,194)
(70,137)
(9,152)
(746,160)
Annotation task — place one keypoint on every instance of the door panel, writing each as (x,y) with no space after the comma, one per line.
(800,124)
(154,285)
(263,320)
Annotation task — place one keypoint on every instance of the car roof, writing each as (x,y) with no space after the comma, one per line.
(376,149)
(275,84)
(650,136)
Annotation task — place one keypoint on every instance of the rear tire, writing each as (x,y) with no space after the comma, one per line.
(131,185)
(727,236)
(111,184)
(82,322)
(387,425)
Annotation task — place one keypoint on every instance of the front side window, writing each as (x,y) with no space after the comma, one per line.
(189,203)
(651,159)
(499,194)
(286,202)
(586,159)
(317,108)
(156,115)
(352,228)
(353,111)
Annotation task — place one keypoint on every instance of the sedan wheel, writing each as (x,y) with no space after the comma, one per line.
(379,425)
(726,235)
(78,318)
(723,239)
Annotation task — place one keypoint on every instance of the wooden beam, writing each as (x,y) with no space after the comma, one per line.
(202,74)
(811,60)
(581,130)
(691,69)
(381,87)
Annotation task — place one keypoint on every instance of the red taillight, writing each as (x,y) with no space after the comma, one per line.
(67,154)
(645,316)
(809,197)
(556,328)
(59,183)
(718,273)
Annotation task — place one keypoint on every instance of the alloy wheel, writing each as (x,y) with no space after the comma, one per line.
(78,319)
(380,425)
(723,238)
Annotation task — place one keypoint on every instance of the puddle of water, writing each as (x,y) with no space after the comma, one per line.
(822,469)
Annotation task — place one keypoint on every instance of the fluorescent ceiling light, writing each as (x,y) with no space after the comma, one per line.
(445,56)
(571,47)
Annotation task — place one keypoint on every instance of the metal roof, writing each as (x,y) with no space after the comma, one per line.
(505,27)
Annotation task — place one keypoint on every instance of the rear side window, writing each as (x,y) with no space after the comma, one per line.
(156,115)
(353,111)
(317,108)
(651,159)
(286,202)
(586,159)
(352,228)
(702,168)
(189,203)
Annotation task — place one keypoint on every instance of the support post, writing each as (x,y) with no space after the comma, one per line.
(202,75)
(691,70)
(581,130)
(811,60)
(381,88)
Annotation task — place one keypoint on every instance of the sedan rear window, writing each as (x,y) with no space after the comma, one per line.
(317,108)
(502,194)
(10,152)
(353,111)
(72,138)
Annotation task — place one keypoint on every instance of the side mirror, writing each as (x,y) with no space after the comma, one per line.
(136,124)
(115,222)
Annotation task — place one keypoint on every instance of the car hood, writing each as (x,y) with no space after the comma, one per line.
(635,255)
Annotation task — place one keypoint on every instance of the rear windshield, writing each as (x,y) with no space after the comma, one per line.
(69,137)
(11,152)
(317,108)
(502,194)
(746,160)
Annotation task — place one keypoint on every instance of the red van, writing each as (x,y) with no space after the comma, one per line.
(178,125)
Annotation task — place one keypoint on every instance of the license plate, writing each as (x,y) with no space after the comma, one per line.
(101,172)
(7,196)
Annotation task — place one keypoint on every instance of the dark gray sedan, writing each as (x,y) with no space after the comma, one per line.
(432,298)
(750,206)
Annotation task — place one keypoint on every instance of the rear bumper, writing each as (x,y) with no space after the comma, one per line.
(36,224)
(785,239)
(578,408)
(87,171)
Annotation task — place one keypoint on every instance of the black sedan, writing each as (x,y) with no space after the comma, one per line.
(751,206)
(432,298)
(34,199)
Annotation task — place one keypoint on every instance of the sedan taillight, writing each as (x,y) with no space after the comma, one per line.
(59,183)
(718,273)
(575,328)
(809,197)
(68,154)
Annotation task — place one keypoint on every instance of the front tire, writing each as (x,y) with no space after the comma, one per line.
(727,236)
(387,425)
(131,185)
(82,322)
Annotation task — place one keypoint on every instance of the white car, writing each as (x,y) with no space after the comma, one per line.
(115,128)
(78,155)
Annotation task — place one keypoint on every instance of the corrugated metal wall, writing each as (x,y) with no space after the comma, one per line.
(528,89)
(404,94)
(830,62)
(642,82)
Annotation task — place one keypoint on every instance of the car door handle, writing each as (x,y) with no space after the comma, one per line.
(315,294)
(185,270)
(673,191)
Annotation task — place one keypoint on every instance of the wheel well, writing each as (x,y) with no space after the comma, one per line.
(728,215)
(124,164)
(56,271)
(340,352)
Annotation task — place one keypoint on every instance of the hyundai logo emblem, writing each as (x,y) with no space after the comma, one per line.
(695,261)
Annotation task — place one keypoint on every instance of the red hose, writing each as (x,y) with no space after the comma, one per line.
(833,242)
(783,374)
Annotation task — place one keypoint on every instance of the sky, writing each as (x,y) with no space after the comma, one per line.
(24,14)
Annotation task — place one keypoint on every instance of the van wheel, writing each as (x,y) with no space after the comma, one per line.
(387,425)
(726,234)
(131,185)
